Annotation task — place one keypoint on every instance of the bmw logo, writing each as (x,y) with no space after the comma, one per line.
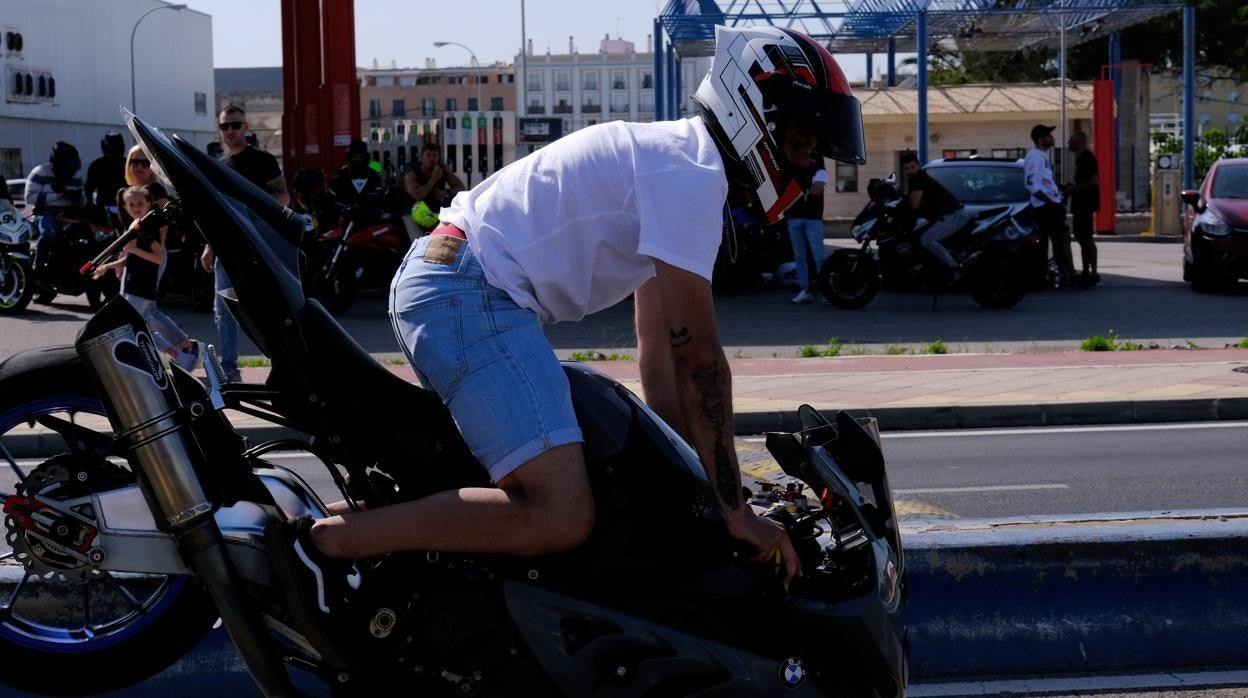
(792,673)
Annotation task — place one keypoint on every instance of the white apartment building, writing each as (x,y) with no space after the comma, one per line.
(66,70)
(583,89)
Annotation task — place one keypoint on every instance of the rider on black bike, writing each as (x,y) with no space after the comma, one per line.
(50,189)
(932,200)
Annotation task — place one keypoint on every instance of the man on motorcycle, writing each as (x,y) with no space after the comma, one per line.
(356,180)
(50,189)
(932,200)
(611,210)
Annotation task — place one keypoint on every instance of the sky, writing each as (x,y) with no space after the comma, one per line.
(247,33)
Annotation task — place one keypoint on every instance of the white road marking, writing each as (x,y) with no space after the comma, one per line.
(1075,684)
(1028,431)
(982,488)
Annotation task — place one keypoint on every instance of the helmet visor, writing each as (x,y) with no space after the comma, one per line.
(834,119)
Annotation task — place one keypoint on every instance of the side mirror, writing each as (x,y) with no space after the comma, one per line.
(1191,197)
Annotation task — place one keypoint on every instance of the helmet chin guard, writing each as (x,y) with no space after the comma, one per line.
(762,81)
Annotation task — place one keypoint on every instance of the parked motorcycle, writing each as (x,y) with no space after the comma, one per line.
(364,248)
(82,233)
(150,526)
(989,247)
(16,285)
(751,251)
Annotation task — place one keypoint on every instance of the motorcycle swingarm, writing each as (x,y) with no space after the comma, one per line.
(128,539)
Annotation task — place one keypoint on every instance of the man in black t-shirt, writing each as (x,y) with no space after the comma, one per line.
(1085,200)
(261,169)
(933,201)
(106,176)
(431,181)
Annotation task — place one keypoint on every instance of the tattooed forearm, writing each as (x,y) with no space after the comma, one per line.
(681,337)
(726,481)
(710,387)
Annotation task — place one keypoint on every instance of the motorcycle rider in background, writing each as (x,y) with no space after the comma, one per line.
(107,176)
(50,189)
(610,210)
(932,200)
(356,180)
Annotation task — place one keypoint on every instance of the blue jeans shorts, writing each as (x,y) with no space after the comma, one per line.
(485,356)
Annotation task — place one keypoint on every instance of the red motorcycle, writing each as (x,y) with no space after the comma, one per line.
(363,249)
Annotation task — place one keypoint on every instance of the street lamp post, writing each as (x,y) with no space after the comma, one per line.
(133,105)
(440,44)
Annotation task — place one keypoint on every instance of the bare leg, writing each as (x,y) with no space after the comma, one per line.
(341,507)
(544,506)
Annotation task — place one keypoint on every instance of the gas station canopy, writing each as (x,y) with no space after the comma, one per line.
(865,26)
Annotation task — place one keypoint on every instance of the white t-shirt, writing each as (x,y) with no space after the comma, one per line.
(573,228)
(1038,175)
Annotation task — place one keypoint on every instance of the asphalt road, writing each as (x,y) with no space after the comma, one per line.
(1142,298)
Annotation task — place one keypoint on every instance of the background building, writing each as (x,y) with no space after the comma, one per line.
(66,68)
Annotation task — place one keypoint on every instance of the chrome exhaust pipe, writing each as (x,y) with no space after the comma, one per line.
(138,394)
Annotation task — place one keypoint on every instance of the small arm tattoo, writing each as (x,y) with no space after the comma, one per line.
(681,337)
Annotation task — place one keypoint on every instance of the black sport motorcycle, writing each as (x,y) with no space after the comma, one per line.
(82,233)
(990,248)
(150,525)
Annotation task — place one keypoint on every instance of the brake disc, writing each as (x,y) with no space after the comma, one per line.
(46,541)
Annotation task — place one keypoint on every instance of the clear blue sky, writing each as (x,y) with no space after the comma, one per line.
(247,33)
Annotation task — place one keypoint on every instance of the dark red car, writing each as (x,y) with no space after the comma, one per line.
(1215,227)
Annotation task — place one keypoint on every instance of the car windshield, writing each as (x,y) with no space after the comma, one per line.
(1231,182)
(977,184)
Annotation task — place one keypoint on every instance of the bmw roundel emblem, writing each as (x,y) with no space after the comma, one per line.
(792,673)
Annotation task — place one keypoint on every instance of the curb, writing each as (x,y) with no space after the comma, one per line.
(890,418)
(1106,593)
(992,598)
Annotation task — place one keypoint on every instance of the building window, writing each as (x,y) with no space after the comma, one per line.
(619,103)
(11,163)
(385,82)
(562,82)
(536,106)
(452,104)
(496,104)
(1009,153)
(374,108)
(647,81)
(647,101)
(589,81)
(535,82)
(399,108)
(428,106)
(473,104)
(201,103)
(407,81)
(506,79)
(846,177)
(617,80)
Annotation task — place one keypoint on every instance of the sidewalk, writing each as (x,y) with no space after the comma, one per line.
(978,390)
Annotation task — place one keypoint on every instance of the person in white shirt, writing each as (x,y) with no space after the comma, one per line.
(610,210)
(1046,200)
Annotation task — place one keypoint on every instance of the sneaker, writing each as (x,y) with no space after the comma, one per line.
(315,585)
(187,358)
(233,376)
(803,296)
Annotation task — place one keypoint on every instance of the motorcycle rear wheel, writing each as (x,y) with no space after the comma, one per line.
(107,630)
(849,278)
(16,286)
(336,293)
(999,283)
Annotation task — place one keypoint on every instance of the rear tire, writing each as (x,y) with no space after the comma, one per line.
(52,381)
(336,293)
(999,283)
(849,279)
(45,297)
(16,286)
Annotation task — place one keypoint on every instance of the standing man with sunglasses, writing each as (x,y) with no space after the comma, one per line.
(261,169)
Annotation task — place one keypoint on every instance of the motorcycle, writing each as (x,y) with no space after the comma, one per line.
(365,247)
(83,233)
(752,250)
(16,288)
(159,501)
(989,247)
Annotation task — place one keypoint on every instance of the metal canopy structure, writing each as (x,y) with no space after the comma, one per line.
(868,26)
(878,26)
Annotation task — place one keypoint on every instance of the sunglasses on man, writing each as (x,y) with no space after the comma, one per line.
(231,125)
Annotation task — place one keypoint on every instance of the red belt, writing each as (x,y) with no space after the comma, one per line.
(449,230)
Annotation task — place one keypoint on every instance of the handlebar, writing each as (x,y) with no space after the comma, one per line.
(156,218)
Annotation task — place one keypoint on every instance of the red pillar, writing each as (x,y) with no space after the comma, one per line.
(340,90)
(1103,110)
(321,94)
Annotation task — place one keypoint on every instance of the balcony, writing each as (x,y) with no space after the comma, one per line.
(591,108)
(561,109)
(619,108)
(536,109)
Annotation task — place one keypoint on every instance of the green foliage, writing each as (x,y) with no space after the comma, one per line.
(1222,41)
(1243,343)
(833,348)
(1166,143)
(896,351)
(807,352)
(253,362)
(948,66)
(583,356)
(937,347)
(1130,345)
(1098,343)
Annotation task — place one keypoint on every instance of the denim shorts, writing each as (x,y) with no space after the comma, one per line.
(485,356)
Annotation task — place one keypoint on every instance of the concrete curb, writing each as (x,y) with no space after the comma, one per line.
(1100,594)
(891,419)
(992,598)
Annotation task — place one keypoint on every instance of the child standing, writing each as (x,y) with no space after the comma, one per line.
(141,260)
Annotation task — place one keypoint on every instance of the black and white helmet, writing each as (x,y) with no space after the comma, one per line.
(762,80)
